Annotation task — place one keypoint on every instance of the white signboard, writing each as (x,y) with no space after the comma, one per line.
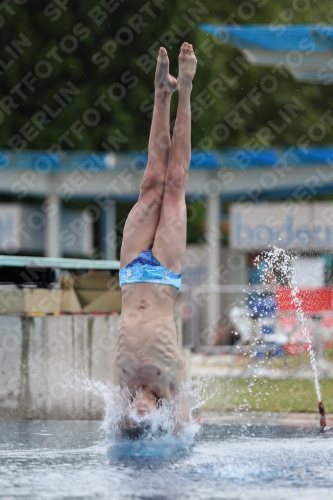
(10,222)
(299,226)
(308,272)
(76,235)
(22,229)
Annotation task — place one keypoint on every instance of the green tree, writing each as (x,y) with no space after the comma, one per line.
(105,53)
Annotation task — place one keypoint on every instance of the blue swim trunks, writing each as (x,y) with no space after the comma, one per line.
(146,269)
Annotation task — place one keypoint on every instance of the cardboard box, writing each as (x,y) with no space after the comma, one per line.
(94,292)
(95,281)
(30,300)
(87,296)
(109,301)
(70,303)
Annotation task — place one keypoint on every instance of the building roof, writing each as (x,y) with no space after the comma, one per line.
(304,50)
(43,163)
(275,37)
(97,176)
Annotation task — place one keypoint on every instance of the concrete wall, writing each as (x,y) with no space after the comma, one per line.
(55,367)
(44,362)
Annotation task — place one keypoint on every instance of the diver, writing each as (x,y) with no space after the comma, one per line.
(148,360)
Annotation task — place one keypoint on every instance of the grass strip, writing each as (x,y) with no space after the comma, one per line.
(260,394)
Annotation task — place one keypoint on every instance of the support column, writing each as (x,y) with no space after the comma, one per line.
(108,233)
(238,261)
(52,212)
(213,237)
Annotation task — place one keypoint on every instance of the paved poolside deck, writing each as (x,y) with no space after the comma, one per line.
(262,418)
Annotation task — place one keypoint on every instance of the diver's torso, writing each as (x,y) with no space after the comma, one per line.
(148,352)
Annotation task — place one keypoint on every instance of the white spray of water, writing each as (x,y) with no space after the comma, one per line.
(279,262)
(116,402)
(162,420)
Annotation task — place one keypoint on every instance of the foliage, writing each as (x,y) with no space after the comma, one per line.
(195,221)
(101,56)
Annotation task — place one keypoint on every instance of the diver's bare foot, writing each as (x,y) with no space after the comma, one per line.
(164,82)
(187,67)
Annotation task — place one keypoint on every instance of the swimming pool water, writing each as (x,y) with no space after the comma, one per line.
(70,460)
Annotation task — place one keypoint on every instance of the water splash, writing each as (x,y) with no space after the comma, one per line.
(162,421)
(279,262)
(115,402)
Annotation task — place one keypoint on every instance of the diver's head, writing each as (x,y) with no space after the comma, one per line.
(144,402)
(137,421)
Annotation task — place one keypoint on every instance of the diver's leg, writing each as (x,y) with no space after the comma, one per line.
(141,223)
(170,239)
